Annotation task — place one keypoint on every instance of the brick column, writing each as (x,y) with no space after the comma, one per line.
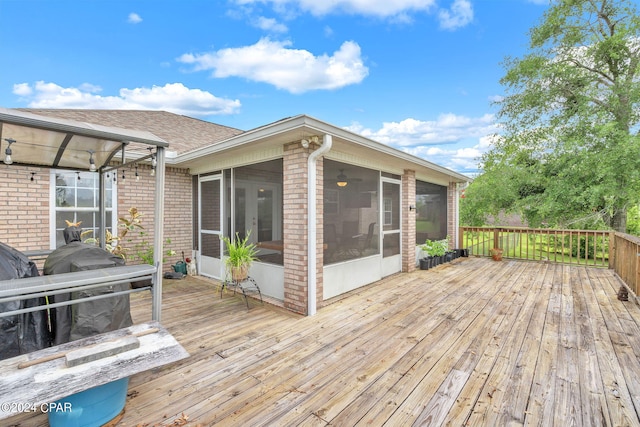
(408,221)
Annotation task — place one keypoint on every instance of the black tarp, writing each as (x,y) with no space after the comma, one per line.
(88,318)
(21,333)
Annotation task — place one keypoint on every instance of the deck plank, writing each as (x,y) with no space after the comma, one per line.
(474,342)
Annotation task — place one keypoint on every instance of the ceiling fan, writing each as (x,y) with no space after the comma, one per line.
(342,180)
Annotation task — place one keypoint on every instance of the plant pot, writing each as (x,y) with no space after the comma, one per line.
(240,273)
(496,254)
(425,263)
(448,257)
(464,253)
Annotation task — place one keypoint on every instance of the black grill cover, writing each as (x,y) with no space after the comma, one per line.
(21,333)
(89,318)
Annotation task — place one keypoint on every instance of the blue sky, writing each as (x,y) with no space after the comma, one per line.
(418,75)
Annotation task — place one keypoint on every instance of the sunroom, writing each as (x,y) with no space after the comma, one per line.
(364,207)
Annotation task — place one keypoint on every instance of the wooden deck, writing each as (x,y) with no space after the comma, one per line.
(475,342)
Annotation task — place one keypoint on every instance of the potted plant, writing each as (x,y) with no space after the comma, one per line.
(429,260)
(440,250)
(496,254)
(240,254)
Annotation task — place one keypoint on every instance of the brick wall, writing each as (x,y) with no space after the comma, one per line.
(295,228)
(177,208)
(408,221)
(24,207)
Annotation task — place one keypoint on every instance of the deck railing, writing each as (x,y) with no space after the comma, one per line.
(581,247)
(597,248)
(625,259)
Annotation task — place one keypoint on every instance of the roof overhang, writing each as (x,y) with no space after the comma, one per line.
(299,127)
(65,144)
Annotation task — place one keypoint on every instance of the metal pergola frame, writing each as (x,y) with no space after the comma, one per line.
(49,142)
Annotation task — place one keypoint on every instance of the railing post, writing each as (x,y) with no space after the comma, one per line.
(612,251)
(496,237)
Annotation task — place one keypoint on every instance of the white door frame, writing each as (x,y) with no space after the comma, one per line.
(390,264)
(210,266)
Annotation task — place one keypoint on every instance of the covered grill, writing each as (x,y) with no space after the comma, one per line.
(72,322)
(26,332)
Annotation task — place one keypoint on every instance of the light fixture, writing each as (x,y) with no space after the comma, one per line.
(33,174)
(7,153)
(305,143)
(154,162)
(137,175)
(123,176)
(342,179)
(92,162)
(412,208)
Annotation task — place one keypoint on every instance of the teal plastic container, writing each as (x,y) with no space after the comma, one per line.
(90,408)
(180,267)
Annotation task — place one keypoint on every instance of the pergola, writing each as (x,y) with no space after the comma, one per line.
(32,140)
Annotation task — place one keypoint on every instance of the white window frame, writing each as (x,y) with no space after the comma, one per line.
(53,209)
(388,210)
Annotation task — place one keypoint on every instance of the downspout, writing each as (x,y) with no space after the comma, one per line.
(457,220)
(312,225)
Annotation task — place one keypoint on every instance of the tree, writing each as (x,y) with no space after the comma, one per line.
(569,149)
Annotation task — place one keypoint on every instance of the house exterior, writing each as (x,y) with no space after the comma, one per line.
(330,210)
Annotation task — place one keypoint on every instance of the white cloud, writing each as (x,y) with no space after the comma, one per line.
(270,24)
(134,18)
(294,70)
(22,89)
(379,8)
(440,140)
(173,97)
(447,129)
(461,14)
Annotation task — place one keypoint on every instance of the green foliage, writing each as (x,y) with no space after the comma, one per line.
(135,247)
(435,248)
(633,221)
(568,152)
(239,251)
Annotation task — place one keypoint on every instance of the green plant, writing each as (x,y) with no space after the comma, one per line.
(240,252)
(435,248)
(144,250)
(142,247)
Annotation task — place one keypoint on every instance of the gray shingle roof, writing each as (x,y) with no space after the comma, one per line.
(183,133)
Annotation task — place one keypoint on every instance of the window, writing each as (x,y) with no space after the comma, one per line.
(75,198)
(351,212)
(257,208)
(431,212)
(388,211)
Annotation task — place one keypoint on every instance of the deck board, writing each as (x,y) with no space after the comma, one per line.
(474,342)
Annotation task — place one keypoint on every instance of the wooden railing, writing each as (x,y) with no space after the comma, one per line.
(581,247)
(618,251)
(625,259)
